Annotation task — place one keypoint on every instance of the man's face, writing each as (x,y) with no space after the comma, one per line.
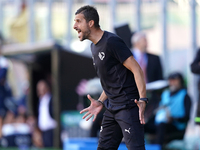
(41,89)
(174,84)
(142,43)
(82,27)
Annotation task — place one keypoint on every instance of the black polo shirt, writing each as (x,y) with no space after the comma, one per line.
(117,81)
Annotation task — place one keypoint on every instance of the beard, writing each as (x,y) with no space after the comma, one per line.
(173,88)
(85,35)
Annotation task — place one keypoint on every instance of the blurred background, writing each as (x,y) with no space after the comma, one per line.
(40,45)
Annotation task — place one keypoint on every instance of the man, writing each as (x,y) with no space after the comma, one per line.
(195,68)
(45,121)
(4,89)
(149,63)
(3,76)
(173,112)
(19,26)
(122,81)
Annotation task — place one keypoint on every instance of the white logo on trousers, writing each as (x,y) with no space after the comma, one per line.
(101,129)
(128,130)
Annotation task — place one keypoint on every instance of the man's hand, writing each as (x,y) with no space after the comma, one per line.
(94,108)
(142,105)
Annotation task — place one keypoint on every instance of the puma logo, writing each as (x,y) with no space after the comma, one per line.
(101,129)
(128,130)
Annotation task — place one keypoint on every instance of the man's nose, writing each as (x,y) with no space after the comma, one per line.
(75,26)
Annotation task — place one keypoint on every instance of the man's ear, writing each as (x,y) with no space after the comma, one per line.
(91,23)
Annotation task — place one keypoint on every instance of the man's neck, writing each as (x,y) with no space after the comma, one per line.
(96,35)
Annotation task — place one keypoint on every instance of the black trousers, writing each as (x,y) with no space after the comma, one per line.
(122,123)
(47,137)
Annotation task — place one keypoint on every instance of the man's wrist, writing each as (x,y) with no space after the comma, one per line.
(100,102)
(144,99)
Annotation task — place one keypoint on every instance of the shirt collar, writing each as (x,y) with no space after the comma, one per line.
(46,96)
(137,53)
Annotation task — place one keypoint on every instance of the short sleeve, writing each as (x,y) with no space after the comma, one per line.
(118,48)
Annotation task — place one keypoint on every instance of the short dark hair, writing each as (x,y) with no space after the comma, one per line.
(90,13)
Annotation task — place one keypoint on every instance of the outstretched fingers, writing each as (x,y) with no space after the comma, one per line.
(95,116)
(90,116)
(94,108)
(141,118)
(90,98)
(84,110)
(88,113)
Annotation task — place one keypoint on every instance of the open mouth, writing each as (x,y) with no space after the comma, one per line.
(79,32)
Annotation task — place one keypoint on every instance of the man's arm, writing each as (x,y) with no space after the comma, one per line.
(103,97)
(131,64)
(195,66)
